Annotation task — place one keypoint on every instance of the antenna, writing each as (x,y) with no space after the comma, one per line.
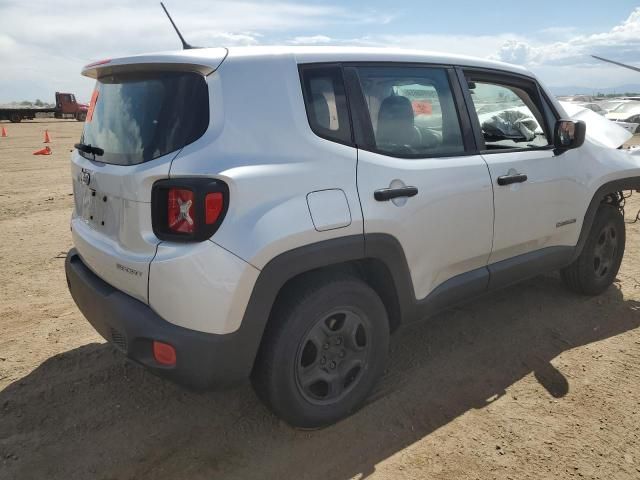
(637,69)
(185,45)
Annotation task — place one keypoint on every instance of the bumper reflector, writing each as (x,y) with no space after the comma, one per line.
(164,353)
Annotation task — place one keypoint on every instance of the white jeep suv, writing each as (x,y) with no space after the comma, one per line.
(275,213)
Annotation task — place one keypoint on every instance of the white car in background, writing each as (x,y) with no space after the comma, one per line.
(594,106)
(626,115)
(608,105)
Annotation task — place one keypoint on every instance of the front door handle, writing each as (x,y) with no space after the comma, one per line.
(509,179)
(386,194)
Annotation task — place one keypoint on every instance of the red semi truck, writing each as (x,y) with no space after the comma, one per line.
(66,107)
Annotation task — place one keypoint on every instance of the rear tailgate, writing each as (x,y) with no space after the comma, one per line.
(111,223)
(144,110)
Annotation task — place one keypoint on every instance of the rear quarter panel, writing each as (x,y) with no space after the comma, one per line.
(260,143)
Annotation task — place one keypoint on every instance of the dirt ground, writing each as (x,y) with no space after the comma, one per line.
(533,382)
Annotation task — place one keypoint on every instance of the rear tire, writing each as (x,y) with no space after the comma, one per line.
(598,264)
(15,118)
(324,350)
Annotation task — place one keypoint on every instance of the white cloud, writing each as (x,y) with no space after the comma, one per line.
(621,42)
(556,33)
(566,62)
(472,45)
(310,40)
(225,38)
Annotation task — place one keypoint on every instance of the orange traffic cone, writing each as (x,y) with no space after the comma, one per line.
(45,151)
(46,137)
(4,132)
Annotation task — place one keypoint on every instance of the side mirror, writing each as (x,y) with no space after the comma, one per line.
(569,134)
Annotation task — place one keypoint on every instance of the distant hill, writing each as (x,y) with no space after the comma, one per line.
(575,90)
(28,104)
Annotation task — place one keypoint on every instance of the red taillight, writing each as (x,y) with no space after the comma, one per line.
(164,353)
(188,209)
(180,210)
(213,204)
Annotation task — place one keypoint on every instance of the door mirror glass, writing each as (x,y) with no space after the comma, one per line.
(569,134)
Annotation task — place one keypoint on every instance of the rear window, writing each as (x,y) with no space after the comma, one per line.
(141,116)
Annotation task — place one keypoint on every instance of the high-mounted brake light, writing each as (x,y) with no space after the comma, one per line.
(99,62)
(188,209)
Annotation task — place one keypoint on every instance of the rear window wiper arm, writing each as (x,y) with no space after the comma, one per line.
(89,149)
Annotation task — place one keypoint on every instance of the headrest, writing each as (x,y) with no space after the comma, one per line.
(395,120)
(321,110)
(396,108)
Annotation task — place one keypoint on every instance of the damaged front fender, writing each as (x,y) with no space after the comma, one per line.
(600,130)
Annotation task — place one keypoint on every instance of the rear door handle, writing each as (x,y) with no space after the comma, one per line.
(386,194)
(509,179)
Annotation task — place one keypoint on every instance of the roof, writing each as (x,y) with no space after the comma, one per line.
(210,58)
(316,54)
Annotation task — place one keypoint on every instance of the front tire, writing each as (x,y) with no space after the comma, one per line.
(598,264)
(324,350)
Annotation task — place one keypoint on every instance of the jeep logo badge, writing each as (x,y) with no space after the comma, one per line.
(85,177)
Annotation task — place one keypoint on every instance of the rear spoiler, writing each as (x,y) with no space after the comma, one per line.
(203,60)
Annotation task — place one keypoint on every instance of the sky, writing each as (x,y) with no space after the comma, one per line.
(45,43)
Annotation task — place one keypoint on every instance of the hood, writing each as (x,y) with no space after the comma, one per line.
(600,130)
(618,115)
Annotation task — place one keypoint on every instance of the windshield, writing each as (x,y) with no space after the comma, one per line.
(627,107)
(137,117)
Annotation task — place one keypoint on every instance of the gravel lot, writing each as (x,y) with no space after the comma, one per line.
(531,382)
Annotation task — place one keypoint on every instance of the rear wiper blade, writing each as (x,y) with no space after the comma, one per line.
(89,149)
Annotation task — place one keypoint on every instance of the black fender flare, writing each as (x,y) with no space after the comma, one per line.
(288,265)
(630,183)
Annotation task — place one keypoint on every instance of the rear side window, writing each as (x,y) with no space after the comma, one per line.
(412,111)
(326,103)
(141,116)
